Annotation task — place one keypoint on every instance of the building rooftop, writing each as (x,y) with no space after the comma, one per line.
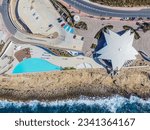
(119,48)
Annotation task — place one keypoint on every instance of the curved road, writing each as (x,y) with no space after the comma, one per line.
(81,5)
(5,14)
(102,11)
(25,38)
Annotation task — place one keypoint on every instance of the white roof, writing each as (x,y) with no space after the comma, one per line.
(77,18)
(119,48)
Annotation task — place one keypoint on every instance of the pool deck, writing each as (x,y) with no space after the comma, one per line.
(23,41)
(36,52)
(63,62)
(34,65)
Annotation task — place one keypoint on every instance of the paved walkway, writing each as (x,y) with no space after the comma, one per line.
(78,62)
(4,30)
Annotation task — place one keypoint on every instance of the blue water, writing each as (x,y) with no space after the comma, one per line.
(116,104)
(34,65)
(68,28)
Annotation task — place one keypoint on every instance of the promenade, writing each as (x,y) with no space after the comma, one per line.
(94,24)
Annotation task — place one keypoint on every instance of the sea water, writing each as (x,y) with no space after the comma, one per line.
(115,104)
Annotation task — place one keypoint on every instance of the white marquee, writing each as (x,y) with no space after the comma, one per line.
(119,48)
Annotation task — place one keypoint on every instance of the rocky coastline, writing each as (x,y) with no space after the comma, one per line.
(74,83)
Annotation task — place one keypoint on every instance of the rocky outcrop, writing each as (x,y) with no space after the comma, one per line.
(73,83)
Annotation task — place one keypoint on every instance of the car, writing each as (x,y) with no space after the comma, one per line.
(63,24)
(91,16)
(132,18)
(102,18)
(82,38)
(34,14)
(140,18)
(122,18)
(148,18)
(50,25)
(125,18)
(74,36)
(60,21)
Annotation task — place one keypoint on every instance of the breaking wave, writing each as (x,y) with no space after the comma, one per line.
(115,104)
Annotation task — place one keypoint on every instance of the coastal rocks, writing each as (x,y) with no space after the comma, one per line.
(74,83)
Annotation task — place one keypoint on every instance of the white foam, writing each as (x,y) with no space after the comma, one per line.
(111,103)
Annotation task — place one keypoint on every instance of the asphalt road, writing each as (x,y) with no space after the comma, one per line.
(101,11)
(79,4)
(25,38)
(5,14)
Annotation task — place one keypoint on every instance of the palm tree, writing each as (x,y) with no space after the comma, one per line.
(146,27)
(126,27)
(57,4)
(100,32)
(1,47)
(81,25)
(108,27)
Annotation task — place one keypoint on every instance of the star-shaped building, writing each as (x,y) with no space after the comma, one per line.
(119,48)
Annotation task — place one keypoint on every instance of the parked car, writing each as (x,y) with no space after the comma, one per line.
(74,36)
(82,38)
(125,18)
(63,24)
(60,21)
(132,18)
(140,18)
(148,18)
(102,18)
(50,25)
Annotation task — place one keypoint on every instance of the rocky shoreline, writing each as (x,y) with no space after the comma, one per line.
(74,83)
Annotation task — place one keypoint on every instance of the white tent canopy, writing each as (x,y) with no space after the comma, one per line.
(119,48)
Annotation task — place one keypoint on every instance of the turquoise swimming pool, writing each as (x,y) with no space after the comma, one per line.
(68,28)
(35,65)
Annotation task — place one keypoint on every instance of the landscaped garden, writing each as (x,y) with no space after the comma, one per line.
(123,3)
